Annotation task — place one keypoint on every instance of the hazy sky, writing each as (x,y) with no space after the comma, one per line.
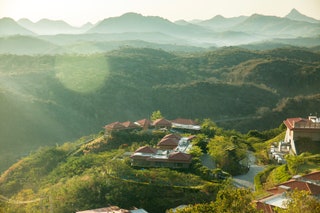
(78,12)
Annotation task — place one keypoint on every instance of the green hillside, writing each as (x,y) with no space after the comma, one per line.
(49,99)
(93,173)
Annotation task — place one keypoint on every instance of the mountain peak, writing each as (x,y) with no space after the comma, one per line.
(131,14)
(294,11)
(132,22)
(8,26)
(297,16)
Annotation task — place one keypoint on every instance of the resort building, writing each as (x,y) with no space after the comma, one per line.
(303,134)
(172,153)
(277,195)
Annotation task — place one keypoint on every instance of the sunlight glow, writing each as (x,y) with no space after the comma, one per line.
(83,74)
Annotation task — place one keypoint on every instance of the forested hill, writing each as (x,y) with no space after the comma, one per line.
(52,99)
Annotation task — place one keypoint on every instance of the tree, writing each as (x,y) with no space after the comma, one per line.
(208,127)
(234,200)
(294,163)
(156,115)
(228,200)
(201,141)
(195,151)
(227,152)
(300,201)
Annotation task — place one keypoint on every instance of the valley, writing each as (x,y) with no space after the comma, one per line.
(62,88)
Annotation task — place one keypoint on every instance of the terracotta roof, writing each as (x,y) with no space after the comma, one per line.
(144,122)
(266,208)
(176,136)
(161,122)
(191,137)
(300,185)
(130,125)
(289,122)
(312,176)
(114,126)
(184,121)
(297,123)
(146,149)
(111,209)
(168,142)
(179,156)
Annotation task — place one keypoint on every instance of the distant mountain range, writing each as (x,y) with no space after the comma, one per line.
(215,32)
(50,27)
(297,16)
(9,27)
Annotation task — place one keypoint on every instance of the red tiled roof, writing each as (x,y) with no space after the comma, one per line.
(161,122)
(146,149)
(130,125)
(300,185)
(176,136)
(144,122)
(266,208)
(179,156)
(191,137)
(111,209)
(114,126)
(168,142)
(312,176)
(184,121)
(292,123)
(289,122)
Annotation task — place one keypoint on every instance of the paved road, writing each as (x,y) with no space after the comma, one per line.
(208,161)
(247,180)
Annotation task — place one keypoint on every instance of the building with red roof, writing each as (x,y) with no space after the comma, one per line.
(113,209)
(300,131)
(168,143)
(162,158)
(143,123)
(171,153)
(130,125)
(277,198)
(162,123)
(185,124)
(115,126)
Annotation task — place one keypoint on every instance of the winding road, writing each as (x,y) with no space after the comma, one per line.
(247,180)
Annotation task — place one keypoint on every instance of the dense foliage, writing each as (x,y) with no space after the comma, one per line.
(48,99)
(96,172)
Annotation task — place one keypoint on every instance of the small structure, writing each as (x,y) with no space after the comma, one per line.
(162,123)
(277,196)
(299,129)
(113,209)
(171,153)
(175,136)
(185,124)
(130,125)
(144,123)
(168,143)
(162,158)
(115,126)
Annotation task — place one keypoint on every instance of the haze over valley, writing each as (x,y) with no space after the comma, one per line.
(135,30)
(53,91)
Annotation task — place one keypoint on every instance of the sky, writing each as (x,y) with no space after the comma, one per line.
(79,12)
